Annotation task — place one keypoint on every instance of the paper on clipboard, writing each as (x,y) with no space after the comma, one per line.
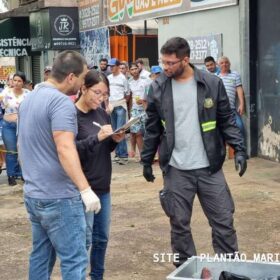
(127,125)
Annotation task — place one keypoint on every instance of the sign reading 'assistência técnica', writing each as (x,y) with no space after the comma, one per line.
(14,34)
(14,47)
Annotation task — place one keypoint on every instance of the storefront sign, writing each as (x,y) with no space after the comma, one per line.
(203,46)
(40,30)
(90,14)
(14,37)
(121,11)
(5,71)
(55,28)
(64,28)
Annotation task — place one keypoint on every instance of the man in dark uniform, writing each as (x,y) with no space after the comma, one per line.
(190,119)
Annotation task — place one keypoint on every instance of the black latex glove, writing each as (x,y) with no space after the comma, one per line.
(148,173)
(240,163)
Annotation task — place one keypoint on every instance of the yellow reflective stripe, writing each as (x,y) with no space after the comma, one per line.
(208,126)
(163,123)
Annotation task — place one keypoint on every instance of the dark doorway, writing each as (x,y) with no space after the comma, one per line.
(144,46)
(265,77)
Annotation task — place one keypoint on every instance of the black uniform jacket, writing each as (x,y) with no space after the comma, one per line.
(216,118)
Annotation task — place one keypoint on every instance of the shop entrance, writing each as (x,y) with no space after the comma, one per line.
(265,78)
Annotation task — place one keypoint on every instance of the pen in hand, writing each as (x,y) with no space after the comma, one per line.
(96,124)
(104,132)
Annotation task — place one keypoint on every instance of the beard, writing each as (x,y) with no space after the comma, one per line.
(177,73)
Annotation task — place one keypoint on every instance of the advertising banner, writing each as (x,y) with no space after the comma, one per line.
(90,14)
(121,11)
(5,71)
(203,46)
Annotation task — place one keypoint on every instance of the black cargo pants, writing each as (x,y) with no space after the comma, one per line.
(177,196)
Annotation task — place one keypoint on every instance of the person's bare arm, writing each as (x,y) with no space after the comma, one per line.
(69,159)
(240,96)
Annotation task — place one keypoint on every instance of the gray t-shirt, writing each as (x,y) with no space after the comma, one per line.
(189,152)
(43,111)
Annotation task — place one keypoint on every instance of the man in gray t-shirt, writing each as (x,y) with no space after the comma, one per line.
(44,175)
(55,190)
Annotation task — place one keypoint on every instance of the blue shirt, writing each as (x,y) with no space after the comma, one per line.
(42,112)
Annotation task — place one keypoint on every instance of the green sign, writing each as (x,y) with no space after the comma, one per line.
(14,37)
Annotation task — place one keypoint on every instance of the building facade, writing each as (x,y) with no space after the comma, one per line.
(246,31)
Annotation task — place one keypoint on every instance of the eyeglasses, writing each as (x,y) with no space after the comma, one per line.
(97,92)
(169,63)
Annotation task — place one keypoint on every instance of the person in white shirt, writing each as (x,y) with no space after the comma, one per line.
(143,72)
(138,88)
(11,98)
(124,68)
(119,96)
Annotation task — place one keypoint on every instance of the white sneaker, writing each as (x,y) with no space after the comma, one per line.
(116,159)
(123,161)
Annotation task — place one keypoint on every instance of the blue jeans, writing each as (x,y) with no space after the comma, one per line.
(100,235)
(58,228)
(118,118)
(9,135)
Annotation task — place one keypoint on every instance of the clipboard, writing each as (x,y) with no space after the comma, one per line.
(126,126)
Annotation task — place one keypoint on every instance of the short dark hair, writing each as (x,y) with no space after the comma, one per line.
(139,60)
(67,62)
(123,62)
(209,59)
(178,46)
(21,75)
(133,64)
(103,59)
(94,77)
(28,82)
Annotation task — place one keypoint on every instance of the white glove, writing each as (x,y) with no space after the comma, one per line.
(90,200)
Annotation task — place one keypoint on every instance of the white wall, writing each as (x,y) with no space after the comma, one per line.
(220,20)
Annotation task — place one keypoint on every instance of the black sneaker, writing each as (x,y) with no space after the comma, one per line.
(12,181)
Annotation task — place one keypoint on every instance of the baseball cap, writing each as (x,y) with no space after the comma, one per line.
(92,66)
(28,82)
(155,69)
(113,62)
(47,69)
